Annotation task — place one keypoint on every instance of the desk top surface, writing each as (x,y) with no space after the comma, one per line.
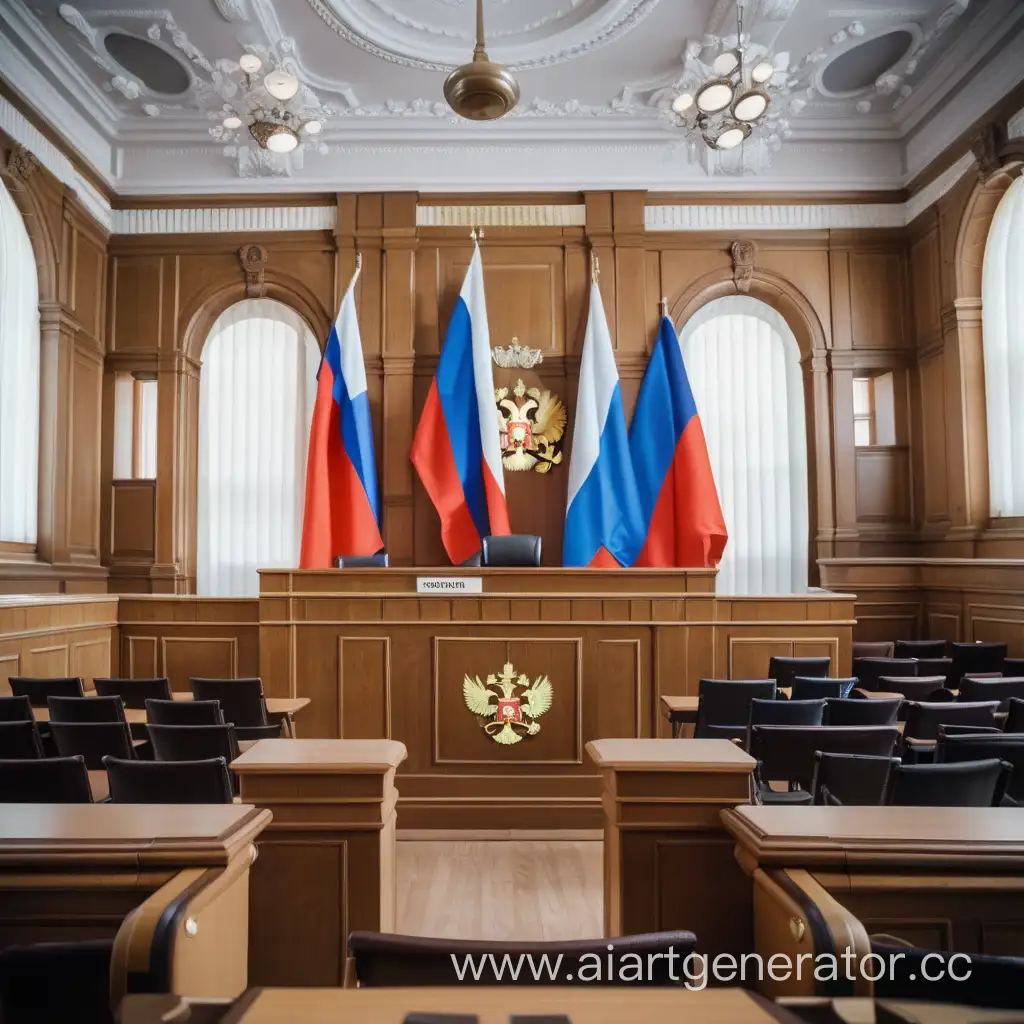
(496,1005)
(670,755)
(329,755)
(191,833)
(929,835)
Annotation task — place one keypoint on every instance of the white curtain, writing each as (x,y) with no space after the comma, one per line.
(19,377)
(744,367)
(256,394)
(1002,324)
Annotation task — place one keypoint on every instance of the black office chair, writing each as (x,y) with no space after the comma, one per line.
(723,706)
(20,740)
(377,561)
(784,712)
(868,711)
(241,700)
(937,667)
(923,719)
(183,712)
(56,983)
(921,688)
(920,649)
(1008,747)
(511,550)
(872,649)
(869,670)
(785,754)
(1002,690)
(1013,666)
(16,709)
(135,692)
(963,784)
(981,657)
(169,782)
(1014,715)
(93,741)
(805,688)
(47,780)
(785,670)
(85,709)
(856,780)
(193,742)
(37,690)
(993,982)
(408,961)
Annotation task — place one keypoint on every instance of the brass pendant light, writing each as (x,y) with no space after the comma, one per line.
(481,90)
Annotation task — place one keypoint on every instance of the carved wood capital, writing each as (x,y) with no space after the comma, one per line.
(22,164)
(253,259)
(744,254)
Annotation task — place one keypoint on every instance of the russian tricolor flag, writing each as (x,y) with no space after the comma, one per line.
(603,523)
(342,513)
(456,450)
(683,517)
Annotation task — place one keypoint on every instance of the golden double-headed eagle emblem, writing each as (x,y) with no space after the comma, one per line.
(505,713)
(531,428)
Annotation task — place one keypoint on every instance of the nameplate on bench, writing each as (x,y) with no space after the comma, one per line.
(449,585)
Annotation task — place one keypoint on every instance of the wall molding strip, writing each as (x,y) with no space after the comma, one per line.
(200,220)
(530,216)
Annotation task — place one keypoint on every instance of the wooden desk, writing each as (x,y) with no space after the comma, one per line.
(941,878)
(169,883)
(667,860)
(277,707)
(381,660)
(327,861)
(585,1005)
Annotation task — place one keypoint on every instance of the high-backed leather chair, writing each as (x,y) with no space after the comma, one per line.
(377,561)
(134,692)
(855,780)
(511,550)
(961,784)
(723,706)
(981,657)
(920,649)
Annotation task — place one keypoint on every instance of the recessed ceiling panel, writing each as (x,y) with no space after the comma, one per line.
(861,66)
(147,62)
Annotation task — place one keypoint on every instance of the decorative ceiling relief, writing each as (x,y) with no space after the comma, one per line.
(525,34)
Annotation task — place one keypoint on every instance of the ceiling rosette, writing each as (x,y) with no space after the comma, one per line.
(434,35)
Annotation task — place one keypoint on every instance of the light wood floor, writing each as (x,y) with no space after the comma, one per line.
(500,889)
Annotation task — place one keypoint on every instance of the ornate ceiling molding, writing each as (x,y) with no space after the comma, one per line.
(563,29)
(188,221)
(535,216)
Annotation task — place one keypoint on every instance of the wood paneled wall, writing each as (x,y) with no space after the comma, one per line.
(71,258)
(957,599)
(846,295)
(57,636)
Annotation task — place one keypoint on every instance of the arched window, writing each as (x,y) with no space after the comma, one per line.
(19,378)
(256,394)
(1002,323)
(744,367)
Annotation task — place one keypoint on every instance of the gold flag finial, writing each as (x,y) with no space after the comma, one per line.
(359,262)
(472,234)
(595,267)
(664,306)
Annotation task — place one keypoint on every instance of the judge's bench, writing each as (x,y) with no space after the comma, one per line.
(495,679)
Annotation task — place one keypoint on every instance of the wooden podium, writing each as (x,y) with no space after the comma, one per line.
(381,659)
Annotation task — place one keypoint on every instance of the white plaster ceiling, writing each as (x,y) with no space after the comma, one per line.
(596,77)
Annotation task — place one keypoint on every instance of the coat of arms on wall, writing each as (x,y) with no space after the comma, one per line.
(508,718)
(532,427)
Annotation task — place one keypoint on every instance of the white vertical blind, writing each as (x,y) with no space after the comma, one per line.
(744,368)
(256,394)
(1002,324)
(147,428)
(124,424)
(19,378)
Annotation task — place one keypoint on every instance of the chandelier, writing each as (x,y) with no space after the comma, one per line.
(272,108)
(729,99)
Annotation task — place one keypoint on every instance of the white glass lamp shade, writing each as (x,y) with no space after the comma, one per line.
(763,72)
(715,96)
(682,103)
(313,127)
(281,84)
(232,121)
(726,63)
(250,63)
(730,138)
(750,106)
(283,140)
